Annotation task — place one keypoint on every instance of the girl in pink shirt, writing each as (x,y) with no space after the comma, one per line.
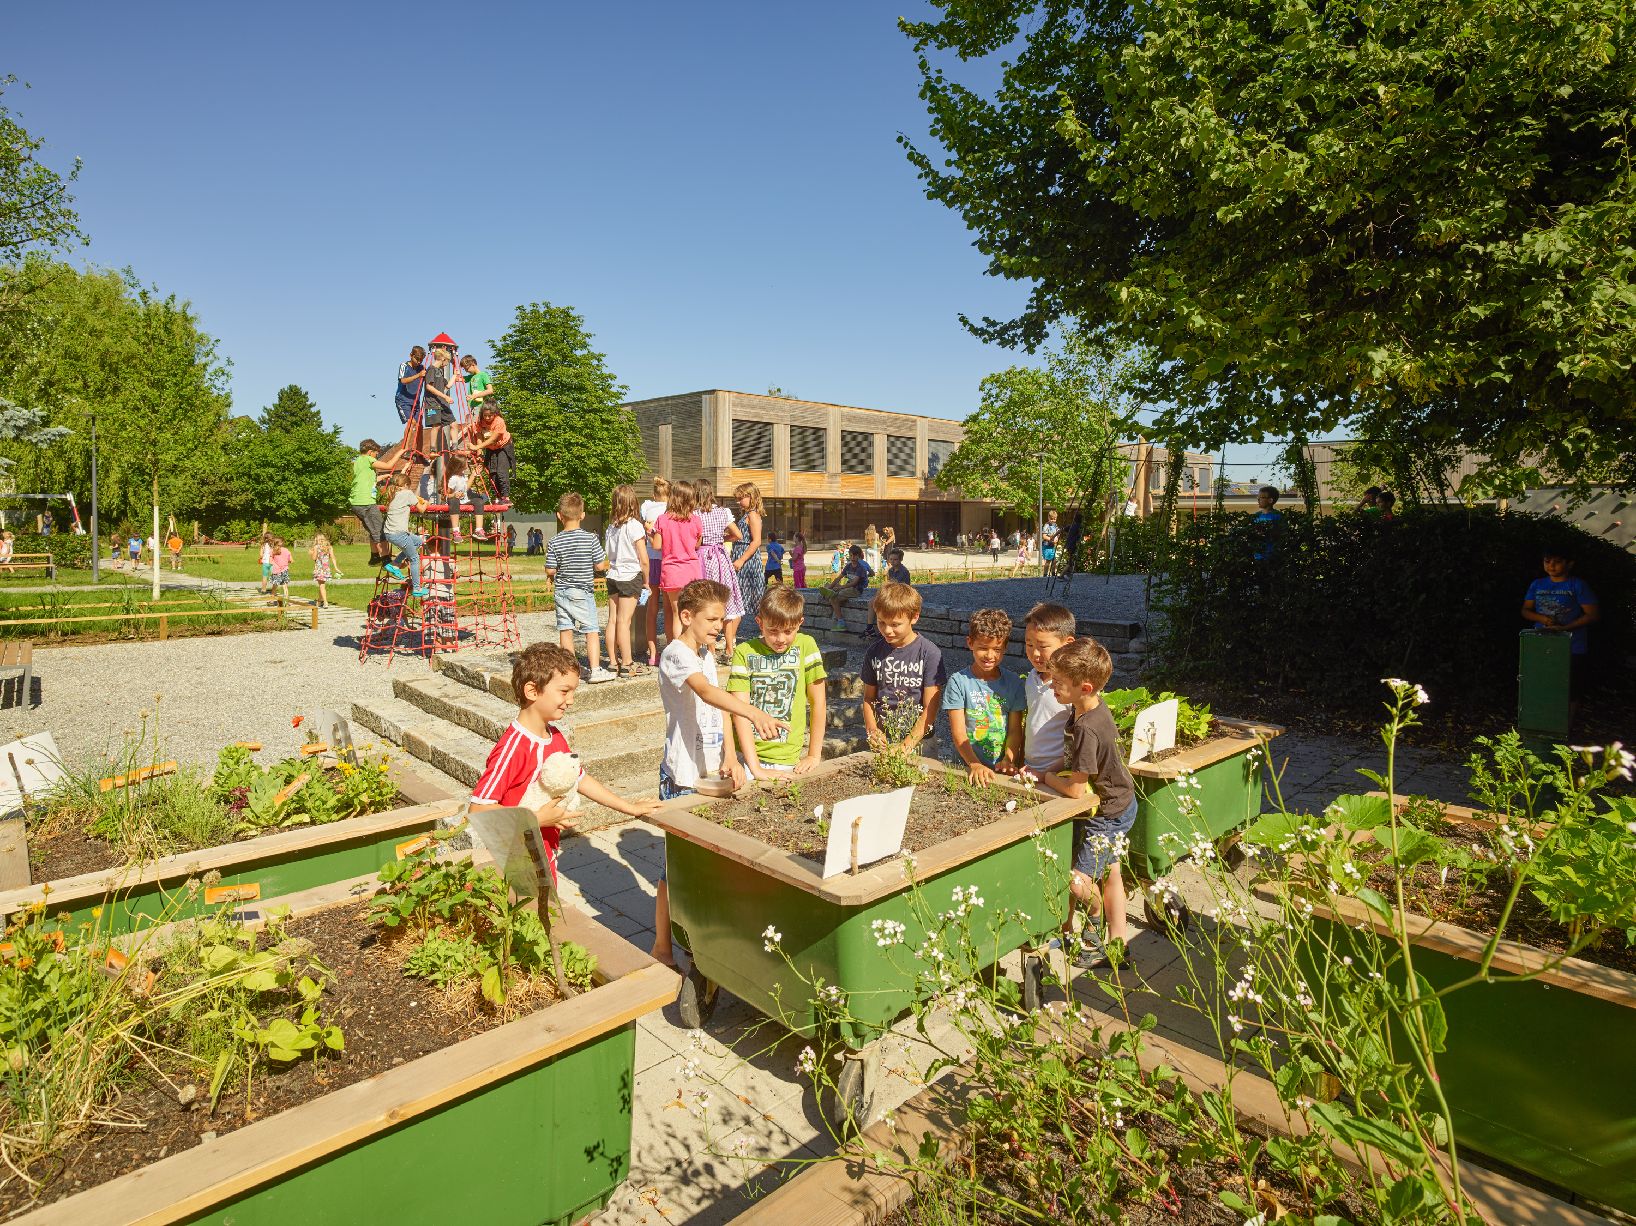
(676,536)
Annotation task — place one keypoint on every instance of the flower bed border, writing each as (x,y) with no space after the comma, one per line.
(240,862)
(290,1145)
(852,1189)
(1236,736)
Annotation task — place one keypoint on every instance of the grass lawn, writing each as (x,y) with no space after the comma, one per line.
(55,614)
(66,576)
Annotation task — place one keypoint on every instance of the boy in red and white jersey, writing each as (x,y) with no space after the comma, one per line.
(543,680)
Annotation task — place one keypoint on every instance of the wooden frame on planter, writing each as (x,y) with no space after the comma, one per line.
(1563,1111)
(261,867)
(491,1112)
(854,1189)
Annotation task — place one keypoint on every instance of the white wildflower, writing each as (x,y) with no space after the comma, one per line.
(887,932)
(807,1062)
(770,939)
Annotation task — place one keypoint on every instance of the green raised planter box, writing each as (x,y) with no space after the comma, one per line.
(267,867)
(528,1123)
(1227,796)
(1540,1074)
(726,888)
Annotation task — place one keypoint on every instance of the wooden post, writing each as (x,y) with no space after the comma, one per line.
(855,822)
(315,615)
(164,628)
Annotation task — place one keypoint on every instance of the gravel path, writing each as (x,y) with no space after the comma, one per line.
(212,690)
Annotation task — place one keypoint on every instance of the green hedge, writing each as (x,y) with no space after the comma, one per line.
(67,551)
(1348,599)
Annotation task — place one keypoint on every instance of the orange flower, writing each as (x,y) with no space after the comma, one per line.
(295,720)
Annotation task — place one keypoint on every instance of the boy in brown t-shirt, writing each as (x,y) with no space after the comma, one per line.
(1079,670)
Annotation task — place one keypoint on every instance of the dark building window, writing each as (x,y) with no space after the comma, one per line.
(752,444)
(938,451)
(809,449)
(900,456)
(857,452)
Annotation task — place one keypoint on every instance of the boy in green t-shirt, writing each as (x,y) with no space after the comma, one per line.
(781,673)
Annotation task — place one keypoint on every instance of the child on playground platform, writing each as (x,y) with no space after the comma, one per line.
(1079,671)
(573,560)
(987,706)
(698,739)
(280,578)
(781,673)
(1045,729)
(395,531)
(543,680)
(902,672)
(460,491)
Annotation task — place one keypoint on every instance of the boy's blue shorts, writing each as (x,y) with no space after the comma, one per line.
(1094,838)
(669,791)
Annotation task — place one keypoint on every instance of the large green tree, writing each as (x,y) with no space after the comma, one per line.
(288,466)
(1059,424)
(561,404)
(100,342)
(1413,215)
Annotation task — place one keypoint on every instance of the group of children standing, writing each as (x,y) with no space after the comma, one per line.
(1049,726)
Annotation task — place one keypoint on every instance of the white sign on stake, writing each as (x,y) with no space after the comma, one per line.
(513,838)
(36,761)
(880,819)
(336,732)
(1155,730)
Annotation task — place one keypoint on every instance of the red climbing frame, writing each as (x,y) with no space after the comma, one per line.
(468,602)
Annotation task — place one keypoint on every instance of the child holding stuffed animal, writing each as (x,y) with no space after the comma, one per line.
(543,681)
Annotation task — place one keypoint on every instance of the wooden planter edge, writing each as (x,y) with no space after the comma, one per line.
(188,1183)
(853,1189)
(66,892)
(1237,736)
(678,817)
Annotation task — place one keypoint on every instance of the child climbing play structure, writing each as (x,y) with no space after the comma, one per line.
(466,579)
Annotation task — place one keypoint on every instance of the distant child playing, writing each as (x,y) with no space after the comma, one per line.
(323,567)
(395,530)
(266,558)
(896,571)
(798,560)
(573,560)
(851,582)
(1268,521)
(1564,603)
(775,559)
(174,543)
(903,672)
(280,578)
(626,545)
(677,534)
(987,706)
(544,680)
(698,740)
(650,511)
(1079,671)
(781,673)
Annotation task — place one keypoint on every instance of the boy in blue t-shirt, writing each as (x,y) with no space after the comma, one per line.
(1269,522)
(1565,604)
(986,706)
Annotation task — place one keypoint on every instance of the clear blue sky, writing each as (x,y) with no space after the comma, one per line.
(716,187)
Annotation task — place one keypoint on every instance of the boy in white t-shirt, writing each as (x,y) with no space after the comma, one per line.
(1045,732)
(698,736)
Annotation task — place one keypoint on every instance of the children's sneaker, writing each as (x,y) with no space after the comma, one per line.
(421,593)
(394,571)
(479,536)
(599,675)
(456,537)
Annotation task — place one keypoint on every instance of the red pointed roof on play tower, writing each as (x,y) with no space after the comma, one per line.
(443,338)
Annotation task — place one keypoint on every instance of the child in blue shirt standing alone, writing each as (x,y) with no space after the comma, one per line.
(1563,603)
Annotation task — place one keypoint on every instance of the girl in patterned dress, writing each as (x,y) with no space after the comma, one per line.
(717,526)
(747,559)
(323,567)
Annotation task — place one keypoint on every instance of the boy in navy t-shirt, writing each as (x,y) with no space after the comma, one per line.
(1565,604)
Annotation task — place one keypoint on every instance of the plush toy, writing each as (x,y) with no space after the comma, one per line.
(559,777)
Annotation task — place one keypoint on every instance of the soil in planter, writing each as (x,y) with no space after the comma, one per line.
(936,813)
(1475,902)
(386,1017)
(1194,1185)
(65,849)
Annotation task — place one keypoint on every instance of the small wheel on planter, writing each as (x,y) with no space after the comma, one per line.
(697,1000)
(1033,982)
(1175,916)
(845,1106)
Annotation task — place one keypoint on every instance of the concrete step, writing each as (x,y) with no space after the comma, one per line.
(458,752)
(491,673)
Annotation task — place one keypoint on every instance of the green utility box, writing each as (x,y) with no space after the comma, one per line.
(1543,711)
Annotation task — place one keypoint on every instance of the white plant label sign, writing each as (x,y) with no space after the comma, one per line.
(513,838)
(1155,730)
(37,762)
(335,731)
(880,818)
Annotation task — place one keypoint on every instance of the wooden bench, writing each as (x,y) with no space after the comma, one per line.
(17,660)
(29,561)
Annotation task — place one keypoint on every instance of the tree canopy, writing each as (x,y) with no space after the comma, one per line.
(1060,424)
(1414,215)
(286,466)
(562,406)
(36,209)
